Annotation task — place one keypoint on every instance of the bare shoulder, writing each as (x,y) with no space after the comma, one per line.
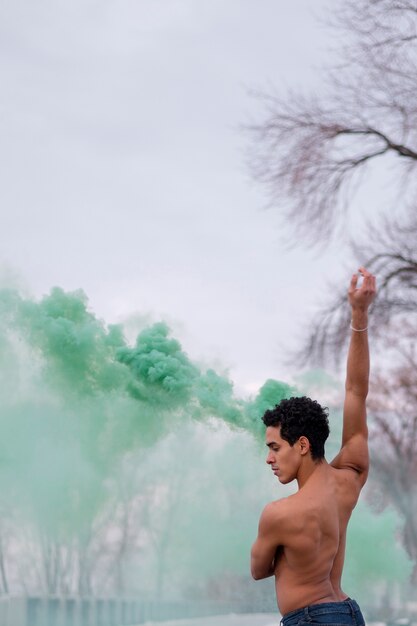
(279,513)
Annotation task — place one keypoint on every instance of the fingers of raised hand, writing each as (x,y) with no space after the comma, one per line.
(353,283)
(368,286)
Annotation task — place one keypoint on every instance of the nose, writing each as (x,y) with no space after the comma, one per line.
(269,458)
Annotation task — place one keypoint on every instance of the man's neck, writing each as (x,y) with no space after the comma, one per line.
(311,469)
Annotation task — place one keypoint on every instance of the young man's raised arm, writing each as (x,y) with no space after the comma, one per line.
(354,450)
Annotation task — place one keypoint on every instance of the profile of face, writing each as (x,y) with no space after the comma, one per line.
(284,459)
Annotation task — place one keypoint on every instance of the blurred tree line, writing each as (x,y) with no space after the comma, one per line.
(314,154)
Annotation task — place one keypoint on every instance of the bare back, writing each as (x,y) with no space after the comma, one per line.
(312,528)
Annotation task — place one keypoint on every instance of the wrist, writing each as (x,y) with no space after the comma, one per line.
(359,319)
(359,313)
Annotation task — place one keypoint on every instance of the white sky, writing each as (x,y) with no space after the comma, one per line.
(123,168)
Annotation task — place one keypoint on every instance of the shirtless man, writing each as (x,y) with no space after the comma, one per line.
(302,538)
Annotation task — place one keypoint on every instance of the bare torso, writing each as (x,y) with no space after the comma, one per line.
(309,563)
(301,539)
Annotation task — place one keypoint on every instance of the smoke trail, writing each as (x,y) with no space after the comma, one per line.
(76,400)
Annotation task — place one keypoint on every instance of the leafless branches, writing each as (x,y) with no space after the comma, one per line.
(310,152)
(394,430)
(390,253)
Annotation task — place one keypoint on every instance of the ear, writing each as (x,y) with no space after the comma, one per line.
(304,445)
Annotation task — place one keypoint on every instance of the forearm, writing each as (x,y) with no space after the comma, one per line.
(260,570)
(357,371)
(262,560)
(264,574)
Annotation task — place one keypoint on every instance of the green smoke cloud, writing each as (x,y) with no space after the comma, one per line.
(76,399)
(115,459)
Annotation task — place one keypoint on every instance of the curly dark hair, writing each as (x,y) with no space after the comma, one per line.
(299,417)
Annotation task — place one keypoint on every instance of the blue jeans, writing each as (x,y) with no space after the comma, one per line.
(345,613)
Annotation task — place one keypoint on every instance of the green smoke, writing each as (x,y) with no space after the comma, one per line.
(121,464)
(374,558)
(161,373)
(78,404)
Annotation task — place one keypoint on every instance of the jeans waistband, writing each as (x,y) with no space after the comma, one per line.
(293,617)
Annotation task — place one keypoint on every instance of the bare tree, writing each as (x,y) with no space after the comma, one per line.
(310,152)
(389,252)
(394,429)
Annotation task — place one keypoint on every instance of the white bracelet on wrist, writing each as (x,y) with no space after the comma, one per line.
(358,330)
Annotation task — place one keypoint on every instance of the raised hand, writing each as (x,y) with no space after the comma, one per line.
(361,297)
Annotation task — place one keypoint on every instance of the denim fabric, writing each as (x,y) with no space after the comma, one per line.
(345,613)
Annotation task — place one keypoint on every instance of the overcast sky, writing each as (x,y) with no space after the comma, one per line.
(123,168)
